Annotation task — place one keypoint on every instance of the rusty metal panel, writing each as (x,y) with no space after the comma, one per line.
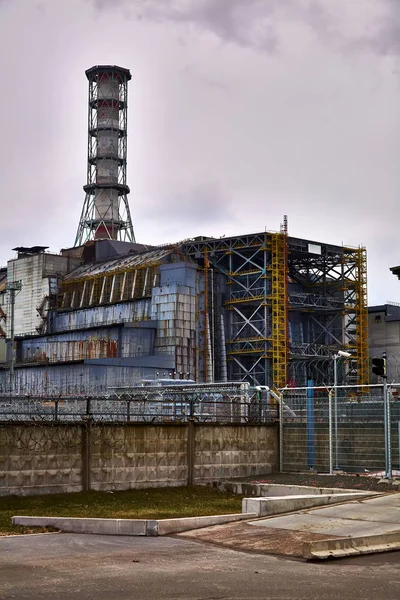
(78,345)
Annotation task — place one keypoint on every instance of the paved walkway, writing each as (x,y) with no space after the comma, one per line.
(357,518)
(284,535)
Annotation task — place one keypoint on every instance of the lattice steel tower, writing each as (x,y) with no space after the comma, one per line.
(105,213)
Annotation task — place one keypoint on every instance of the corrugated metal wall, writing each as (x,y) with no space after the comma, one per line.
(100,315)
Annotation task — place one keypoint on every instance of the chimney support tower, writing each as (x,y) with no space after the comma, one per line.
(106,213)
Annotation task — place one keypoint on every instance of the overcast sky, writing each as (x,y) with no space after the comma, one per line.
(240,111)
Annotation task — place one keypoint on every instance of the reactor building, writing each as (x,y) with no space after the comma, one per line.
(262,307)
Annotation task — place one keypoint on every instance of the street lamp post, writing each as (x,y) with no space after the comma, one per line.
(336,357)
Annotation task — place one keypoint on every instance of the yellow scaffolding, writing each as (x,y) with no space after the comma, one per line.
(362,317)
(279,308)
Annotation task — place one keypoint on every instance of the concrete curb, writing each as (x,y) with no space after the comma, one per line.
(277,489)
(132,527)
(283,504)
(351,546)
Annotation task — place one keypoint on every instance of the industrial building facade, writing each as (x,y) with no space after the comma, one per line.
(264,308)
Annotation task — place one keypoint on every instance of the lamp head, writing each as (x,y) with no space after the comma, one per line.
(343,354)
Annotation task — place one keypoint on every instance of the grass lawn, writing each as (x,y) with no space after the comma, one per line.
(151,503)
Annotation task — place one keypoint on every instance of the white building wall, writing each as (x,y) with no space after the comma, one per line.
(33,271)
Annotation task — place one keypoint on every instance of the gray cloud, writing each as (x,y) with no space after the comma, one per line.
(255,23)
(239,112)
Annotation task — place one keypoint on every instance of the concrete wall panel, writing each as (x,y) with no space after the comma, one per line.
(46,458)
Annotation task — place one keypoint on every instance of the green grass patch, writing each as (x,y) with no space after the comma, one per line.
(151,503)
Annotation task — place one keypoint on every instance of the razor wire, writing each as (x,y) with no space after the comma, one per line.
(215,403)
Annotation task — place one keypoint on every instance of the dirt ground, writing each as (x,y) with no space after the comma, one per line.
(248,538)
(357,482)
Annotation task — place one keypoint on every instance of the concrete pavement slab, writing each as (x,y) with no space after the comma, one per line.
(363,517)
(361,512)
(327,525)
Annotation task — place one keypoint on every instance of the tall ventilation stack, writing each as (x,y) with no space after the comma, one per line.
(105,213)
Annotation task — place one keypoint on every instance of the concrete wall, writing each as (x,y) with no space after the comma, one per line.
(227,451)
(35,459)
(45,458)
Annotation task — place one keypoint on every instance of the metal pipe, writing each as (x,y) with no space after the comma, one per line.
(13,287)
(12,338)
(224,367)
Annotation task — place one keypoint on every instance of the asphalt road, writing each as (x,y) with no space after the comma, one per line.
(80,567)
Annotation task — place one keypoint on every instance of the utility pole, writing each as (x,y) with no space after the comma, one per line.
(13,288)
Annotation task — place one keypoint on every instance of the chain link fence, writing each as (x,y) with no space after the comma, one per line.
(351,429)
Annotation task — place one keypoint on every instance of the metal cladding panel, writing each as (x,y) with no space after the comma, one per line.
(100,315)
(159,361)
(180,273)
(137,342)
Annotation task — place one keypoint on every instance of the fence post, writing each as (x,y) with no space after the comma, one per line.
(384,393)
(86,447)
(86,456)
(336,413)
(280,408)
(388,441)
(330,433)
(310,425)
(190,444)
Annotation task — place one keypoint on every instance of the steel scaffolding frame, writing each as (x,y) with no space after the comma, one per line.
(322,309)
